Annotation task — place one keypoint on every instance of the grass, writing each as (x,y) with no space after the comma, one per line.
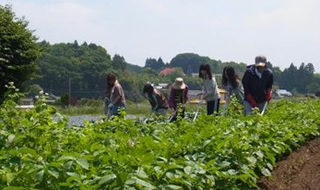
(81,110)
(96,107)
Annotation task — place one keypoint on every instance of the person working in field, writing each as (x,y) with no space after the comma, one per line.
(115,99)
(232,83)
(257,83)
(178,98)
(210,89)
(156,99)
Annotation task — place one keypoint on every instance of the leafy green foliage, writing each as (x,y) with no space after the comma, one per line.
(18,50)
(299,79)
(119,63)
(155,64)
(65,100)
(229,152)
(190,63)
(80,68)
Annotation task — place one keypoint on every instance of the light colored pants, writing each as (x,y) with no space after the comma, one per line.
(114,110)
(248,107)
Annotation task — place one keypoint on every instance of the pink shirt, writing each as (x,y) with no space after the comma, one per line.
(117,95)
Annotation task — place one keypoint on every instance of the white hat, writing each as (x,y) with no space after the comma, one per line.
(179,84)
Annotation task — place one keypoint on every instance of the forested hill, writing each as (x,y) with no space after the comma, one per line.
(84,67)
(81,70)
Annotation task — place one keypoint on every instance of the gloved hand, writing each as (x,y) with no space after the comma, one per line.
(269,94)
(110,105)
(251,100)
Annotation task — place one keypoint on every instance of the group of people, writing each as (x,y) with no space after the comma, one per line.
(253,91)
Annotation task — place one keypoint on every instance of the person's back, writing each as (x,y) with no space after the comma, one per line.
(231,82)
(156,99)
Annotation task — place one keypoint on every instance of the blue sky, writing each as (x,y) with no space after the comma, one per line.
(286,31)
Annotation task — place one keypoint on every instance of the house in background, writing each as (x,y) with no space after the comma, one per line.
(26,103)
(167,71)
(283,93)
(161,86)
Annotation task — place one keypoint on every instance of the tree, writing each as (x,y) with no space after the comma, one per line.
(119,62)
(18,50)
(160,63)
(34,90)
(155,64)
(288,79)
(85,66)
(276,74)
(190,62)
(313,88)
(310,68)
(301,80)
(305,75)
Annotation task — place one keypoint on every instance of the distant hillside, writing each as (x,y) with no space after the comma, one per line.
(80,70)
(191,62)
(134,68)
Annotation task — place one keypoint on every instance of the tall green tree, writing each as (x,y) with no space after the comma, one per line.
(18,50)
(189,62)
(288,78)
(301,80)
(155,64)
(80,68)
(119,62)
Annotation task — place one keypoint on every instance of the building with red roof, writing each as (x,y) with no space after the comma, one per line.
(167,71)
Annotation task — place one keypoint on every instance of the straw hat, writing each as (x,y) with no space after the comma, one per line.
(179,84)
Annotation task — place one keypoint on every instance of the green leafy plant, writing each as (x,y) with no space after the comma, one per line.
(221,152)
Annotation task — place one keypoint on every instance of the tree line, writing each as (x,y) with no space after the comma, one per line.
(81,69)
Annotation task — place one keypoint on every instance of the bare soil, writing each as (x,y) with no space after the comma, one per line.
(300,170)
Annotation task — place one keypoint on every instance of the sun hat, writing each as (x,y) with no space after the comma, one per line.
(260,61)
(179,84)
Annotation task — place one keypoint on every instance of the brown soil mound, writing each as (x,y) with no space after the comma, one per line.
(300,170)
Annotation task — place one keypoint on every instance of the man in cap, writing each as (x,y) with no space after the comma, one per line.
(177,98)
(257,83)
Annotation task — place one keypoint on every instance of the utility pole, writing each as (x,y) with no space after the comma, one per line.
(69,90)
(51,86)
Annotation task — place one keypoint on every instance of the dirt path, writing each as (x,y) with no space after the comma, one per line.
(299,171)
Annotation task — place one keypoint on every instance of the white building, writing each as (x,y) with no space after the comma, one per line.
(283,92)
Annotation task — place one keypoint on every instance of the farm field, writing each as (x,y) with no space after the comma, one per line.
(223,152)
(299,170)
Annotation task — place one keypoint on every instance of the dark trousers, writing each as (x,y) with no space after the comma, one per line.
(213,106)
(180,114)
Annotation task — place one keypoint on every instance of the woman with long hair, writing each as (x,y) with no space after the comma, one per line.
(210,91)
(232,83)
(156,99)
(114,100)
